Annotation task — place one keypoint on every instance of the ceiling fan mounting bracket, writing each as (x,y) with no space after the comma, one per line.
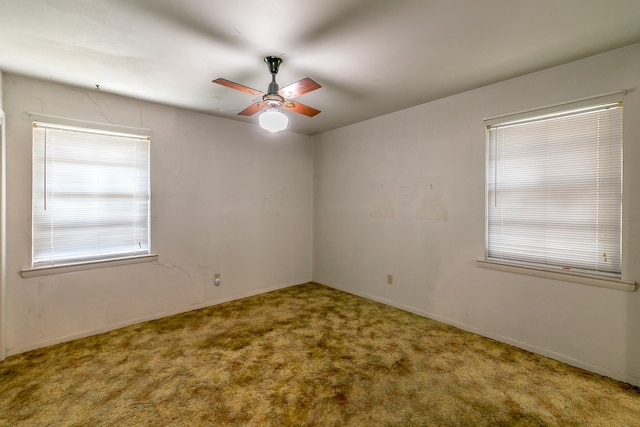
(274,63)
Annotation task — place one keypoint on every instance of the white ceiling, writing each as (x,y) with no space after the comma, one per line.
(371,56)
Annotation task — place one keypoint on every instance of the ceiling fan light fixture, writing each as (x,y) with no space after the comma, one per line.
(273,120)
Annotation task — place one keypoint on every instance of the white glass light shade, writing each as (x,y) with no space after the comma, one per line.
(273,120)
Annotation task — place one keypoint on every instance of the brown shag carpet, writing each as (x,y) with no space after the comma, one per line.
(307,355)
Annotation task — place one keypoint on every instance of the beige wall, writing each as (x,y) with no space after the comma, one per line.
(403,194)
(226,198)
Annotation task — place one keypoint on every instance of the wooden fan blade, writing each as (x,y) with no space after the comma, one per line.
(253,108)
(238,86)
(298,88)
(301,108)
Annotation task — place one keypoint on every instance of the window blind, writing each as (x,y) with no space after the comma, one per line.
(90,195)
(554,190)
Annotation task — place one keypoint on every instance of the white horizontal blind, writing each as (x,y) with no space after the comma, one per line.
(554,190)
(90,195)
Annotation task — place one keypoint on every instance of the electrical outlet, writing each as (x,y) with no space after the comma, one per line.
(216,279)
(390,279)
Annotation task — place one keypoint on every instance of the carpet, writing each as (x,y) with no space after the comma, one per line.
(307,355)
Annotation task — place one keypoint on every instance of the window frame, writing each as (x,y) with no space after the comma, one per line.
(85,263)
(548,271)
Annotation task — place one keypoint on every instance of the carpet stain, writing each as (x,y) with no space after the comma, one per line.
(307,355)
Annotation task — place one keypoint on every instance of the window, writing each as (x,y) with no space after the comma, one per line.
(554,190)
(90,198)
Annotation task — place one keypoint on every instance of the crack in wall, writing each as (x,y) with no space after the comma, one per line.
(95,103)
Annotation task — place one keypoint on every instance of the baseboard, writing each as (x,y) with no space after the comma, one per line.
(620,376)
(155,316)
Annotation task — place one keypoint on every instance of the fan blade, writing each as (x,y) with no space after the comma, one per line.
(238,86)
(298,88)
(301,108)
(253,108)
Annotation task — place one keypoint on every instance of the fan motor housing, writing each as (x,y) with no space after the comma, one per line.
(273,99)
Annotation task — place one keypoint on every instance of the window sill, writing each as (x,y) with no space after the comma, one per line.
(90,265)
(584,279)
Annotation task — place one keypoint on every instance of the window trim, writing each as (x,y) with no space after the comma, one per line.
(547,273)
(87,265)
(555,108)
(139,131)
(599,280)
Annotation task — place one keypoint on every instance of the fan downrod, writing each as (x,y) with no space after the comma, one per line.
(273,97)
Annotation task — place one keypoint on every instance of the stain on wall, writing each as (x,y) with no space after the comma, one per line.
(431,203)
(426,196)
(382,205)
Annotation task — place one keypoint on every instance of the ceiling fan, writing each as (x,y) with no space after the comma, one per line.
(273,119)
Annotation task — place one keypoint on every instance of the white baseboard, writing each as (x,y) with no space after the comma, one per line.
(620,376)
(154,316)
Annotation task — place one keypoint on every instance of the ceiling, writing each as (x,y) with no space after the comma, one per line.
(371,57)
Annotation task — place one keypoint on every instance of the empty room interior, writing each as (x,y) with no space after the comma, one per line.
(461,166)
